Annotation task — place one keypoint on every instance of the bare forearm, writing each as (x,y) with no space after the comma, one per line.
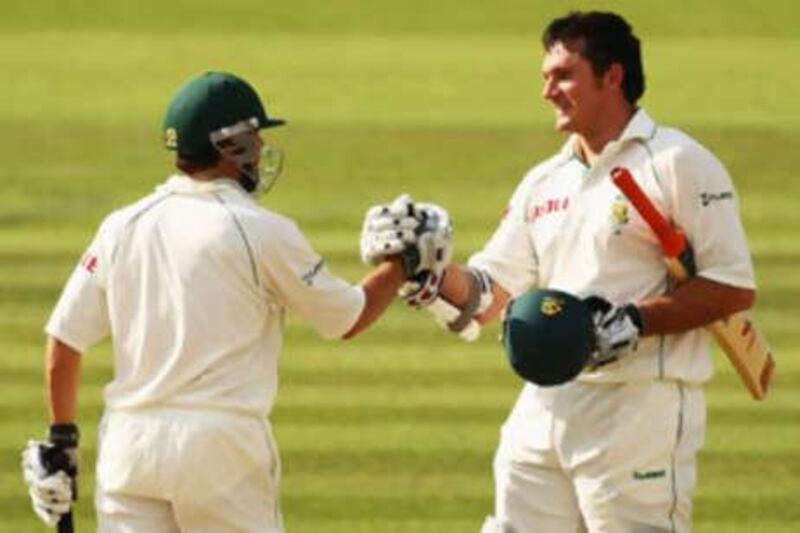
(63,365)
(380,287)
(695,303)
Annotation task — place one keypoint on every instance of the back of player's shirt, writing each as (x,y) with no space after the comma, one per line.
(192,283)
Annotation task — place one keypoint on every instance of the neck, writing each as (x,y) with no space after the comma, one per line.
(591,143)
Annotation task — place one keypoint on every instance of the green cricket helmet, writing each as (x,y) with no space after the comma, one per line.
(209,107)
(548,336)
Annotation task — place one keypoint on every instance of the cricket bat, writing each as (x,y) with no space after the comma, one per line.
(65,524)
(739,338)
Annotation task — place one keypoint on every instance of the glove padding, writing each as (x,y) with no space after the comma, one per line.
(388,230)
(418,233)
(617,330)
(50,469)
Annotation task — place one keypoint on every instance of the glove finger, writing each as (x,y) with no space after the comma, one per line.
(51,519)
(404,236)
(435,251)
(383,223)
(434,215)
(403,205)
(50,504)
(57,506)
(391,243)
(375,211)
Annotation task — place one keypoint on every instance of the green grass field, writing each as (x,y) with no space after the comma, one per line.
(394,431)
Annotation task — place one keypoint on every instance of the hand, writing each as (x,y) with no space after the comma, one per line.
(418,233)
(431,254)
(433,240)
(388,229)
(421,290)
(617,330)
(50,469)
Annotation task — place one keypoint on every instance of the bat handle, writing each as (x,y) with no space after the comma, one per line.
(65,524)
(673,242)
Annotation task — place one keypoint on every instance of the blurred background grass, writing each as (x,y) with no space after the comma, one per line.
(393,431)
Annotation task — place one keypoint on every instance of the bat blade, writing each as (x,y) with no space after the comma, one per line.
(743,343)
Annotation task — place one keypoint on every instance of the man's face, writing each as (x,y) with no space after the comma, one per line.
(572,88)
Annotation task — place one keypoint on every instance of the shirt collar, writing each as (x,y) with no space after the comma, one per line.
(182,184)
(639,127)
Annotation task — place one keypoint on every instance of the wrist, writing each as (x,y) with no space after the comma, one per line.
(64,435)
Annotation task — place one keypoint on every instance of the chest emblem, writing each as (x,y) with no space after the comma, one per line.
(620,214)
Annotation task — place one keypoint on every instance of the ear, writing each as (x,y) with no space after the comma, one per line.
(614,75)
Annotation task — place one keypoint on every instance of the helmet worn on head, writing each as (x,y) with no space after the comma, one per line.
(548,336)
(207,105)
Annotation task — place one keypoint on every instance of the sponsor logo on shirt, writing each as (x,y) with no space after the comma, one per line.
(553,205)
(89,263)
(308,277)
(651,474)
(708,197)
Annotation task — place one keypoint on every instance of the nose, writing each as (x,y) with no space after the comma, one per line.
(548,89)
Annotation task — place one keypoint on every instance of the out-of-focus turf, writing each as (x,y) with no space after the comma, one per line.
(395,430)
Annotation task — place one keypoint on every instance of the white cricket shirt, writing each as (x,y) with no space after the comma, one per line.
(569,228)
(192,282)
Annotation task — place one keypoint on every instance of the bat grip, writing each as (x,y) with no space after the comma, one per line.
(65,524)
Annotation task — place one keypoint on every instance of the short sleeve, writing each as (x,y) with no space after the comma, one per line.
(302,282)
(706,206)
(80,318)
(509,256)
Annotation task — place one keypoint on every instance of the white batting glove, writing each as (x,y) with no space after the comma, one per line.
(432,252)
(434,238)
(388,230)
(51,492)
(617,330)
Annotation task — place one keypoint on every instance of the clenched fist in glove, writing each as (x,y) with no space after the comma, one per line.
(418,232)
(617,330)
(50,468)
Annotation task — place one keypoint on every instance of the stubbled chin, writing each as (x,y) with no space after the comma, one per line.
(563,123)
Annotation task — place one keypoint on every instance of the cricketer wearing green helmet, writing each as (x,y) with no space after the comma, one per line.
(218,113)
(193,282)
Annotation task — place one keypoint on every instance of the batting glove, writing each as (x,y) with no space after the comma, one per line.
(388,230)
(617,330)
(50,469)
(418,233)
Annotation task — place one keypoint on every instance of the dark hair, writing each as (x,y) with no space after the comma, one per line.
(196,163)
(606,38)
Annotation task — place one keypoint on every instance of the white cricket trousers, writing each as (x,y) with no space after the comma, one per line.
(186,470)
(604,458)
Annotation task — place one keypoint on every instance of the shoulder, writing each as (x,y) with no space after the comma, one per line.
(681,153)
(545,170)
(264,224)
(121,217)
(250,211)
(551,166)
